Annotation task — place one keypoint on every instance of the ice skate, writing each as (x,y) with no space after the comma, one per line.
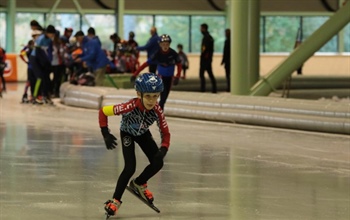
(142,191)
(47,101)
(112,207)
(25,98)
(38,101)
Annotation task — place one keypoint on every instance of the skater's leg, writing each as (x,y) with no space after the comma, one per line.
(150,148)
(212,78)
(128,148)
(202,78)
(164,95)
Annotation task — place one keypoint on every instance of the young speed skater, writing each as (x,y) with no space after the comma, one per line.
(138,114)
(24,55)
(184,60)
(166,59)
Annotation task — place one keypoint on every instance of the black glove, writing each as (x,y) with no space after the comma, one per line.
(175,81)
(161,153)
(110,139)
(132,79)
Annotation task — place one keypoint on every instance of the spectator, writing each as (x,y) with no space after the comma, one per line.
(40,59)
(151,47)
(207,58)
(58,67)
(120,62)
(24,55)
(92,35)
(2,69)
(131,42)
(66,35)
(93,56)
(131,54)
(184,60)
(116,43)
(34,25)
(166,59)
(226,59)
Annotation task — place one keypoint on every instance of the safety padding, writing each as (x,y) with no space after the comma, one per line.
(82,96)
(311,115)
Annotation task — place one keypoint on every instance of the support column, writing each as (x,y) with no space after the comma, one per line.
(341,34)
(81,12)
(311,45)
(121,9)
(10,26)
(49,15)
(239,47)
(254,41)
(228,14)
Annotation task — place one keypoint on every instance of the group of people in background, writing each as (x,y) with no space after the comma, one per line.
(82,60)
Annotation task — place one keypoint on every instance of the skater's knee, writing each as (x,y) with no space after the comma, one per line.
(129,171)
(158,163)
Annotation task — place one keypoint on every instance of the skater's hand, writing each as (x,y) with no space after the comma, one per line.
(110,139)
(132,79)
(176,81)
(161,153)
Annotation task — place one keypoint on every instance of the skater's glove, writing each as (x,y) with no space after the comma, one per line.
(110,139)
(161,153)
(132,79)
(176,81)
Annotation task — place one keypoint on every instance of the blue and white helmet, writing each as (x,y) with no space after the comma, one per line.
(149,83)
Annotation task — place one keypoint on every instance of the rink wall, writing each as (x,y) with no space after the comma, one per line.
(311,115)
(317,65)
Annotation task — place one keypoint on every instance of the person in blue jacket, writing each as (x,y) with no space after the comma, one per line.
(152,46)
(93,57)
(40,59)
(166,59)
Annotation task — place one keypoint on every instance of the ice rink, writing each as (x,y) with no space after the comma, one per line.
(54,165)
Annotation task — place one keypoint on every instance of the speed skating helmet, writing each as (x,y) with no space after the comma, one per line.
(164,38)
(149,83)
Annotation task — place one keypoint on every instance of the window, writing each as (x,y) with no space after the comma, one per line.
(216,28)
(22,28)
(62,21)
(347,38)
(280,33)
(140,25)
(175,26)
(3,30)
(104,27)
(311,24)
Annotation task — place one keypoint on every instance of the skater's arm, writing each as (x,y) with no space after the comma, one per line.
(23,53)
(143,66)
(179,69)
(163,127)
(111,110)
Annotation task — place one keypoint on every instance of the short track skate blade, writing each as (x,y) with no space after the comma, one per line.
(143,200)
(107,216)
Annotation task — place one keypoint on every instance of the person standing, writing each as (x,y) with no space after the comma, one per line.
(2,69)
(40,59)
(151,47)
(184,59)
(93,56)
(207,50)
(226,59)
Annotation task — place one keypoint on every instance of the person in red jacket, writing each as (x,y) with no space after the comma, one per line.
(137,115)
